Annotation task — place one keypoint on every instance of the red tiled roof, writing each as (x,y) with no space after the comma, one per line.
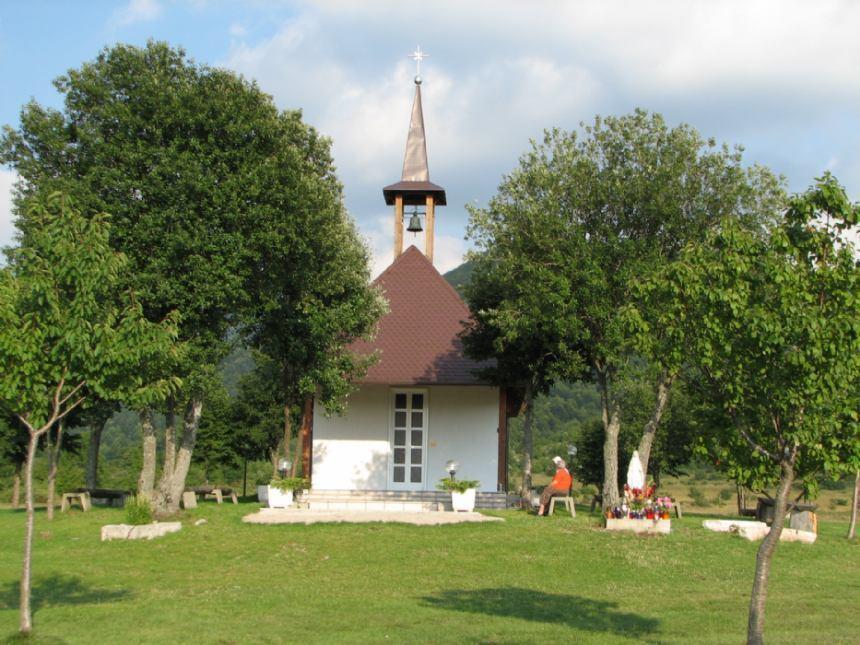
(417,339)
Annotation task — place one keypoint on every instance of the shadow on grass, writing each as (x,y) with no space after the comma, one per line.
(59,590)
(572,611)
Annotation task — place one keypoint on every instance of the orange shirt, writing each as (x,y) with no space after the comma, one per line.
(562,480)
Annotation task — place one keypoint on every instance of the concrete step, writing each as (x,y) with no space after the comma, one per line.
(374,505)
(400,500)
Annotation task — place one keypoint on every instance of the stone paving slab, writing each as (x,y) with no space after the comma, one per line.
(304,516)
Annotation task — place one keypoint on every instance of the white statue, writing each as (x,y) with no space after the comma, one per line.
(635,474)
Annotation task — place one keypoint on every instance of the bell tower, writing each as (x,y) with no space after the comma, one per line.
(414,195)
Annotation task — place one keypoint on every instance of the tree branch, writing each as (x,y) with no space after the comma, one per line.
(758,447)
(72,393)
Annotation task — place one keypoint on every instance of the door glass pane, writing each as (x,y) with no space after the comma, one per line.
(400,437)
(416,455)
(415,475)
(400,400)
(417,419)
(417,438)
(417,401)
(399,474)
(400,419)
(400,455)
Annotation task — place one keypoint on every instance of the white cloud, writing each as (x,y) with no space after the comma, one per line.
(136,11)
(7,228)
(768,74)
(238,30)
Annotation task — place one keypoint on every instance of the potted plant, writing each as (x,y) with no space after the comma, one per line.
(462,492)
(280,490)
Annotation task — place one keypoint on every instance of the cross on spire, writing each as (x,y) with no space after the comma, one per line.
(418,56)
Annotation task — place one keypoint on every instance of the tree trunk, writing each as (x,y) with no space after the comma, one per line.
(288,430)
(92,478)
(664,384)
(16,487)
(53,466)
(528,442)
(146,481)
(755,628)
(274,454)
(170,435)
(297,458)
(611,428)
(852,527)
(26,616)
(742,500)
(245,479)
(173,483)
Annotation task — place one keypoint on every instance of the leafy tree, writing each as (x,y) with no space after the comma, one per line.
(312,292)
(13,449)
(590,217)
(214,195)
(215,444)
(63,337)
(773,326)
(522,315)
(257,414)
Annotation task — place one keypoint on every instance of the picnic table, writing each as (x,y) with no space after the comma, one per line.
(766,507)
(214,491)
(86,497)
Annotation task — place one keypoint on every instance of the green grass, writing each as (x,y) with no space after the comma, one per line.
(528,579)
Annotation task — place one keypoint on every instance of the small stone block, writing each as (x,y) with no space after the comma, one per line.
(804,521)
(141,532)
(662,527)
(189,500)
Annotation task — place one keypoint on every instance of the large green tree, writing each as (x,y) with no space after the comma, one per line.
(772,325)
(67,333)
(214,194)
(593,215)
(522,313)
(312,295)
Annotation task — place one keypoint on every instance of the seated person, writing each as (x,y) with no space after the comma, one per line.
(559,486)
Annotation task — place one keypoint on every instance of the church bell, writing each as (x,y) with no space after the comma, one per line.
(415,223)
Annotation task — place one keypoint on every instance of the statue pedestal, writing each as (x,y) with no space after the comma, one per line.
(663,527)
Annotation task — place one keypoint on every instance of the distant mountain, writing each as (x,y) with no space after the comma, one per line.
(460,276)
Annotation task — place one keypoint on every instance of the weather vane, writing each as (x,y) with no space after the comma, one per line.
(418,56)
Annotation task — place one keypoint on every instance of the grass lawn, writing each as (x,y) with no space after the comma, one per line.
(528,579)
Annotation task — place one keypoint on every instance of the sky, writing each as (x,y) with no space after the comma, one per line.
(779,77)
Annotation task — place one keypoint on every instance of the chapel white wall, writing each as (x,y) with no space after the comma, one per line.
(351,452)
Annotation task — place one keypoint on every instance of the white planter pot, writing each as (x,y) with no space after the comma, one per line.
(263,494)
(279,498)
(464,501)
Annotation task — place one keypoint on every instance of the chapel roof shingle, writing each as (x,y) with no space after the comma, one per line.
(418,339)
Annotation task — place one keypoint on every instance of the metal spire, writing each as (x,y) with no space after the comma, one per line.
(415,162)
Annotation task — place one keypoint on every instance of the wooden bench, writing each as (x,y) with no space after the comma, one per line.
(82,498)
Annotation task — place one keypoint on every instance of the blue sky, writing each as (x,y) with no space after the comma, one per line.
(779,77)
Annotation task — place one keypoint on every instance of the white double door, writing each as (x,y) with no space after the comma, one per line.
(407,467)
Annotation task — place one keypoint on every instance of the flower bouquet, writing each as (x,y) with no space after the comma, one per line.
(663,507)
